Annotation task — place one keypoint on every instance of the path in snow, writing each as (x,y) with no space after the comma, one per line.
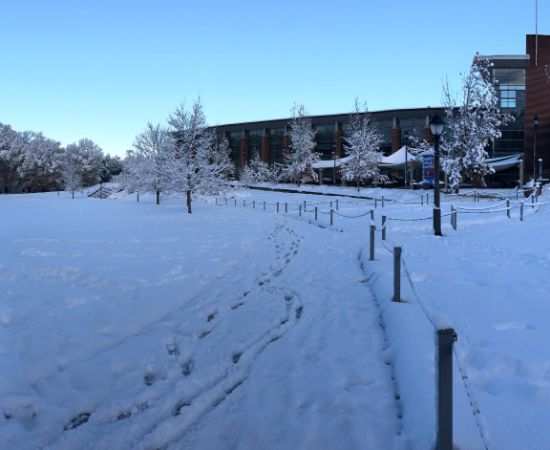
(135,326)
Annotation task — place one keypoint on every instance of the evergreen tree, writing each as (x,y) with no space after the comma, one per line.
(299,161)
(362,146)
(472,124)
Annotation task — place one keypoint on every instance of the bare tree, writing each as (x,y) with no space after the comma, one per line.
(202,164)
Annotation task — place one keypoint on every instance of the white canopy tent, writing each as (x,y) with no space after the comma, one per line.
(397,160)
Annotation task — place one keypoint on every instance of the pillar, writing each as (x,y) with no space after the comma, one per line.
(427,131)
(244,150)
(286,145)
(395,135)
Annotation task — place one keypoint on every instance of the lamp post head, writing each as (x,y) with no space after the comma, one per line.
(436,125)
(536,122)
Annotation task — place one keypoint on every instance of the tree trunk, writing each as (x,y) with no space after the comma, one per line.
(158,197)
(188,194)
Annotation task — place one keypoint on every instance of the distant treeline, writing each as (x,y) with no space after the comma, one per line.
(31,162)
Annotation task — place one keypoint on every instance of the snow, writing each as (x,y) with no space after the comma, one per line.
(135,325)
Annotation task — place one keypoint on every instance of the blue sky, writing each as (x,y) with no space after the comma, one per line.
(103,69)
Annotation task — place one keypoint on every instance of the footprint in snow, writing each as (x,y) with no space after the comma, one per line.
(236,357)
(124,415)
(204,333)
(149,378)
(299,311)
(78,420)
(179,406)
(172,348)
(187,367)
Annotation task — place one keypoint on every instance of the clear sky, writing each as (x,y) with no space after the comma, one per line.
(103,69)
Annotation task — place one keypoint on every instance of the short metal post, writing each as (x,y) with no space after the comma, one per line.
(422,199)
(454,214)
(517,193)
(372,214)
(336,204)
(264,206)
(382,201)
(396,274)
(372,231)
(532,200)
(427,198)
(277,207)
(383,228)
(253,204)
(235,202)
(331,213)
(316,213)
(508,208)
(331,203)
(244,203)
(304,206)
(445,340)
(286,207)
(521,211)
(376,203)
(137,197)
(300,210)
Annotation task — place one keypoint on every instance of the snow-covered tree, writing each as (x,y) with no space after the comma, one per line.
(218,167)
(112,165)
(133,168)
(71,169)
(472,123)
(202,164)
(362,146)
(154,161)
(256,171)
(42,165)
(299,161)
(12,147)
(90,160)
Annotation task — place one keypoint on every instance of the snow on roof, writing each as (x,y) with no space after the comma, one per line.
(329,163)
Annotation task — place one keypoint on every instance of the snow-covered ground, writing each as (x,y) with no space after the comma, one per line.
(132,325)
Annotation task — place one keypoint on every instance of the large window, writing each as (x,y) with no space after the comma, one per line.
(276,145)
(324,137)
(510,85)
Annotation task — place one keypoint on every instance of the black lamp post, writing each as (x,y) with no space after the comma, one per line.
(406,161)
(536,127)
(436,127)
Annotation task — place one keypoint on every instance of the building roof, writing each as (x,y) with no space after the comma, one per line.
(341,117)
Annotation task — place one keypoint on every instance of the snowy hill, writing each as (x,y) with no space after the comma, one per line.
(132,325)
